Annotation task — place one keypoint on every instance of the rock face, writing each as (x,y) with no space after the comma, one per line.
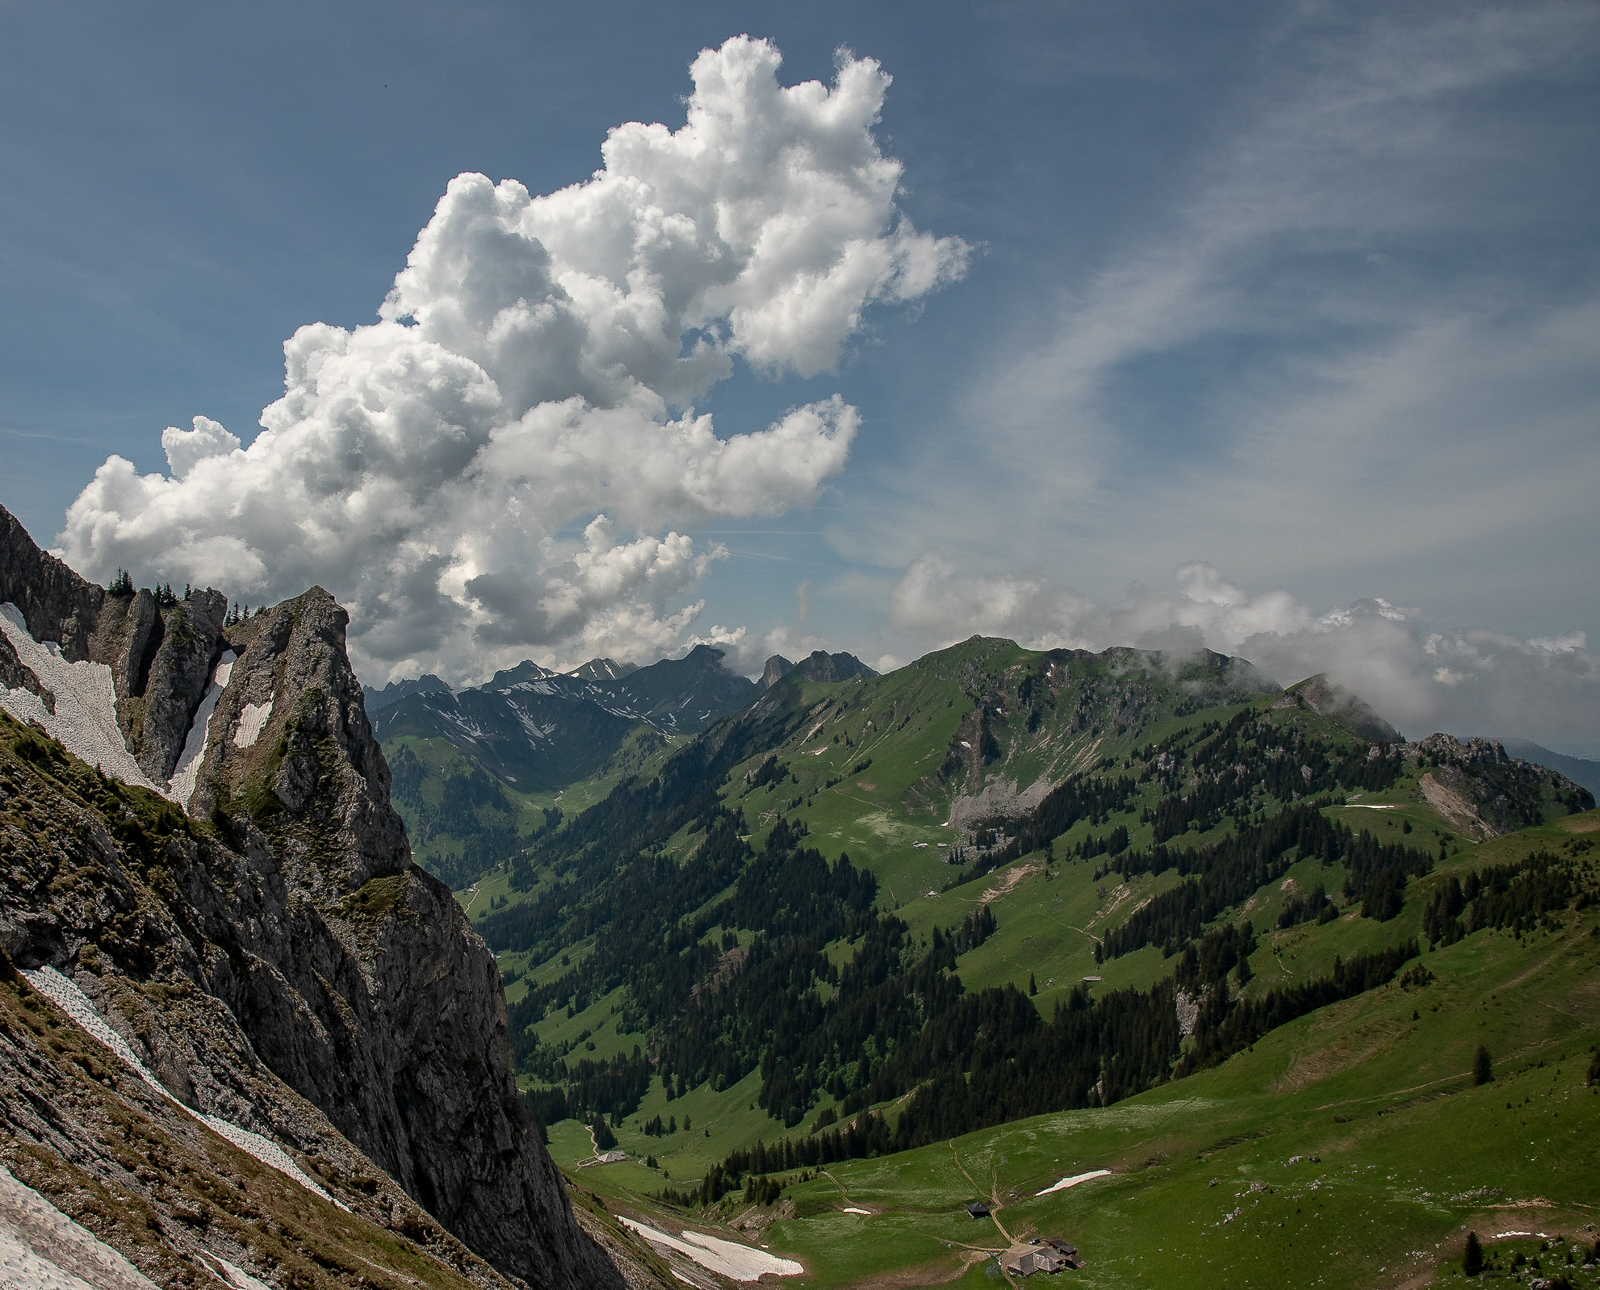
(58,604)
(275,944)
(190,641)
(1485,792)
(819,665)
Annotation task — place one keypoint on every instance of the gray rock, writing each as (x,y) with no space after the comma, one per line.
(179,673)
(776,669)
(57,604)
(280,945)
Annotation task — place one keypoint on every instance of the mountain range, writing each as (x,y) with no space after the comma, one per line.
(999,891)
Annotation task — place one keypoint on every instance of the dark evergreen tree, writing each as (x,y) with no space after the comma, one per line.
(1472,1259)
(1482,1070)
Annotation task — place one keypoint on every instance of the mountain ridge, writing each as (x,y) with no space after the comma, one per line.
(271,953)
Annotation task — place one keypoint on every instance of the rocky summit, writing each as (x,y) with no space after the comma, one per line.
(242,1035)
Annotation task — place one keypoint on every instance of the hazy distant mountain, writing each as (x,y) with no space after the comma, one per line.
(1580,770)
(681,696)
(539,729)
(397,690)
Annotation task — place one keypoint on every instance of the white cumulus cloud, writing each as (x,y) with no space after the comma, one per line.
(531,376)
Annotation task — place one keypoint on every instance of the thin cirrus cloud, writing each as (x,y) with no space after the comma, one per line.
(1353,350)
(534,369)
(1366,298)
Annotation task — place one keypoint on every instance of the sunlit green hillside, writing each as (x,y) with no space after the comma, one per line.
(1348,1148)
(1032,904)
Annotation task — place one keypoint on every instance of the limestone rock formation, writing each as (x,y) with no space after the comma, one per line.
(1485,792)
(272,955)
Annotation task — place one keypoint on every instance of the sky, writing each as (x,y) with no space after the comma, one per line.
(564,331)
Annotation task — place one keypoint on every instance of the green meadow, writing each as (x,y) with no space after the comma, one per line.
(1348,1148)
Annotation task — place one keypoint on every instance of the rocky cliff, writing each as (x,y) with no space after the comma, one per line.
(271,955)
(818,666)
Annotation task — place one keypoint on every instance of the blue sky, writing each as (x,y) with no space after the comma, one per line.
(1267,327)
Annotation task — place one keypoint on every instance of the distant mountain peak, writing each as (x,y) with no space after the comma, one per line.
(603,669)
(526,672)
(818,666)
(376,700)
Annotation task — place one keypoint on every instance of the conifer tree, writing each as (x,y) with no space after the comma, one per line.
(1482,1070)
(1033,988)
(1472,1260)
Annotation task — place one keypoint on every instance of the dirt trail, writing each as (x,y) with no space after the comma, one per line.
(995,1205)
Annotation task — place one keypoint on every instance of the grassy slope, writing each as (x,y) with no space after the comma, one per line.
(905,722)
(1048,918)
(640,754)
(1411,1154)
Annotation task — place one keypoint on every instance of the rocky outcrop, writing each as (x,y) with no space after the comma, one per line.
(274,955)
(160,656)
(1485,792)
(1349,711)
(191,640)
(819,665)
(126,638)
(57,604)
(117,889)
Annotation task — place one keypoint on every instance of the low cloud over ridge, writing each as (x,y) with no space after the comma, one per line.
(1463,681)
(533,370)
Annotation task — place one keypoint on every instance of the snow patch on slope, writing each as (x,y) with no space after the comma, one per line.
(251,721)
(187,771)
(1074,1181)
(241,1279)
(728,1258)
(76,1004)
(85,719)
(42,1249)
